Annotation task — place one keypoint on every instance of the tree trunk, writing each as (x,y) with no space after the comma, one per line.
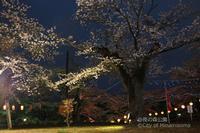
(134,83)
(67,71)
(67,120)
(135,97)
(76,112)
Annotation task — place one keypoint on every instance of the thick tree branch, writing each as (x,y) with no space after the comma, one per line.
(174,46)
(105,52)
(129,26)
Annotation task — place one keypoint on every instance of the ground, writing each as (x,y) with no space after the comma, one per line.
(104,129)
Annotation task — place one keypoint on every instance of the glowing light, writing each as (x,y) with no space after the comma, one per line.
(156,114)
(150,114)
(168,111)
(112,121)
(125,122)
(183,106)
(179,115)
(162,112)
(13,107)
(4,107)
(1,71)
(21,107)
(175,109)
(118,120)
(128,116)
(129,121)
(191,103)
(24,119)
(125,116)
(199,100)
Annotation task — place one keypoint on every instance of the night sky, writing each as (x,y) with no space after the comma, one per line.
(60,13)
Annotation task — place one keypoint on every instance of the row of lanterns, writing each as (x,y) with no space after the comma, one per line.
(13,107)
(175,109)
(127,120)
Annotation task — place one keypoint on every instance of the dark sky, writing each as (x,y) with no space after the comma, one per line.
(60,13)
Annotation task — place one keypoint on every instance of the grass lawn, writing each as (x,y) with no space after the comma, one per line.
(104,129)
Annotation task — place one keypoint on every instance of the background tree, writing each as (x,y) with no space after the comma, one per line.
(100,106)
(126,37)
(66,109)
(190,70)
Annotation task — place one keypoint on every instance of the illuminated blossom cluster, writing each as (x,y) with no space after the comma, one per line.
(131,32)
(26,75)
(21,39)
(18,31)
(72,79)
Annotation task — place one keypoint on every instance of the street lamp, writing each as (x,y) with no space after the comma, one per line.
(175,109)
(150,114)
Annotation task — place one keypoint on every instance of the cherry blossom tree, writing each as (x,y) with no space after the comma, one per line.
(24,41)
(127,35)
